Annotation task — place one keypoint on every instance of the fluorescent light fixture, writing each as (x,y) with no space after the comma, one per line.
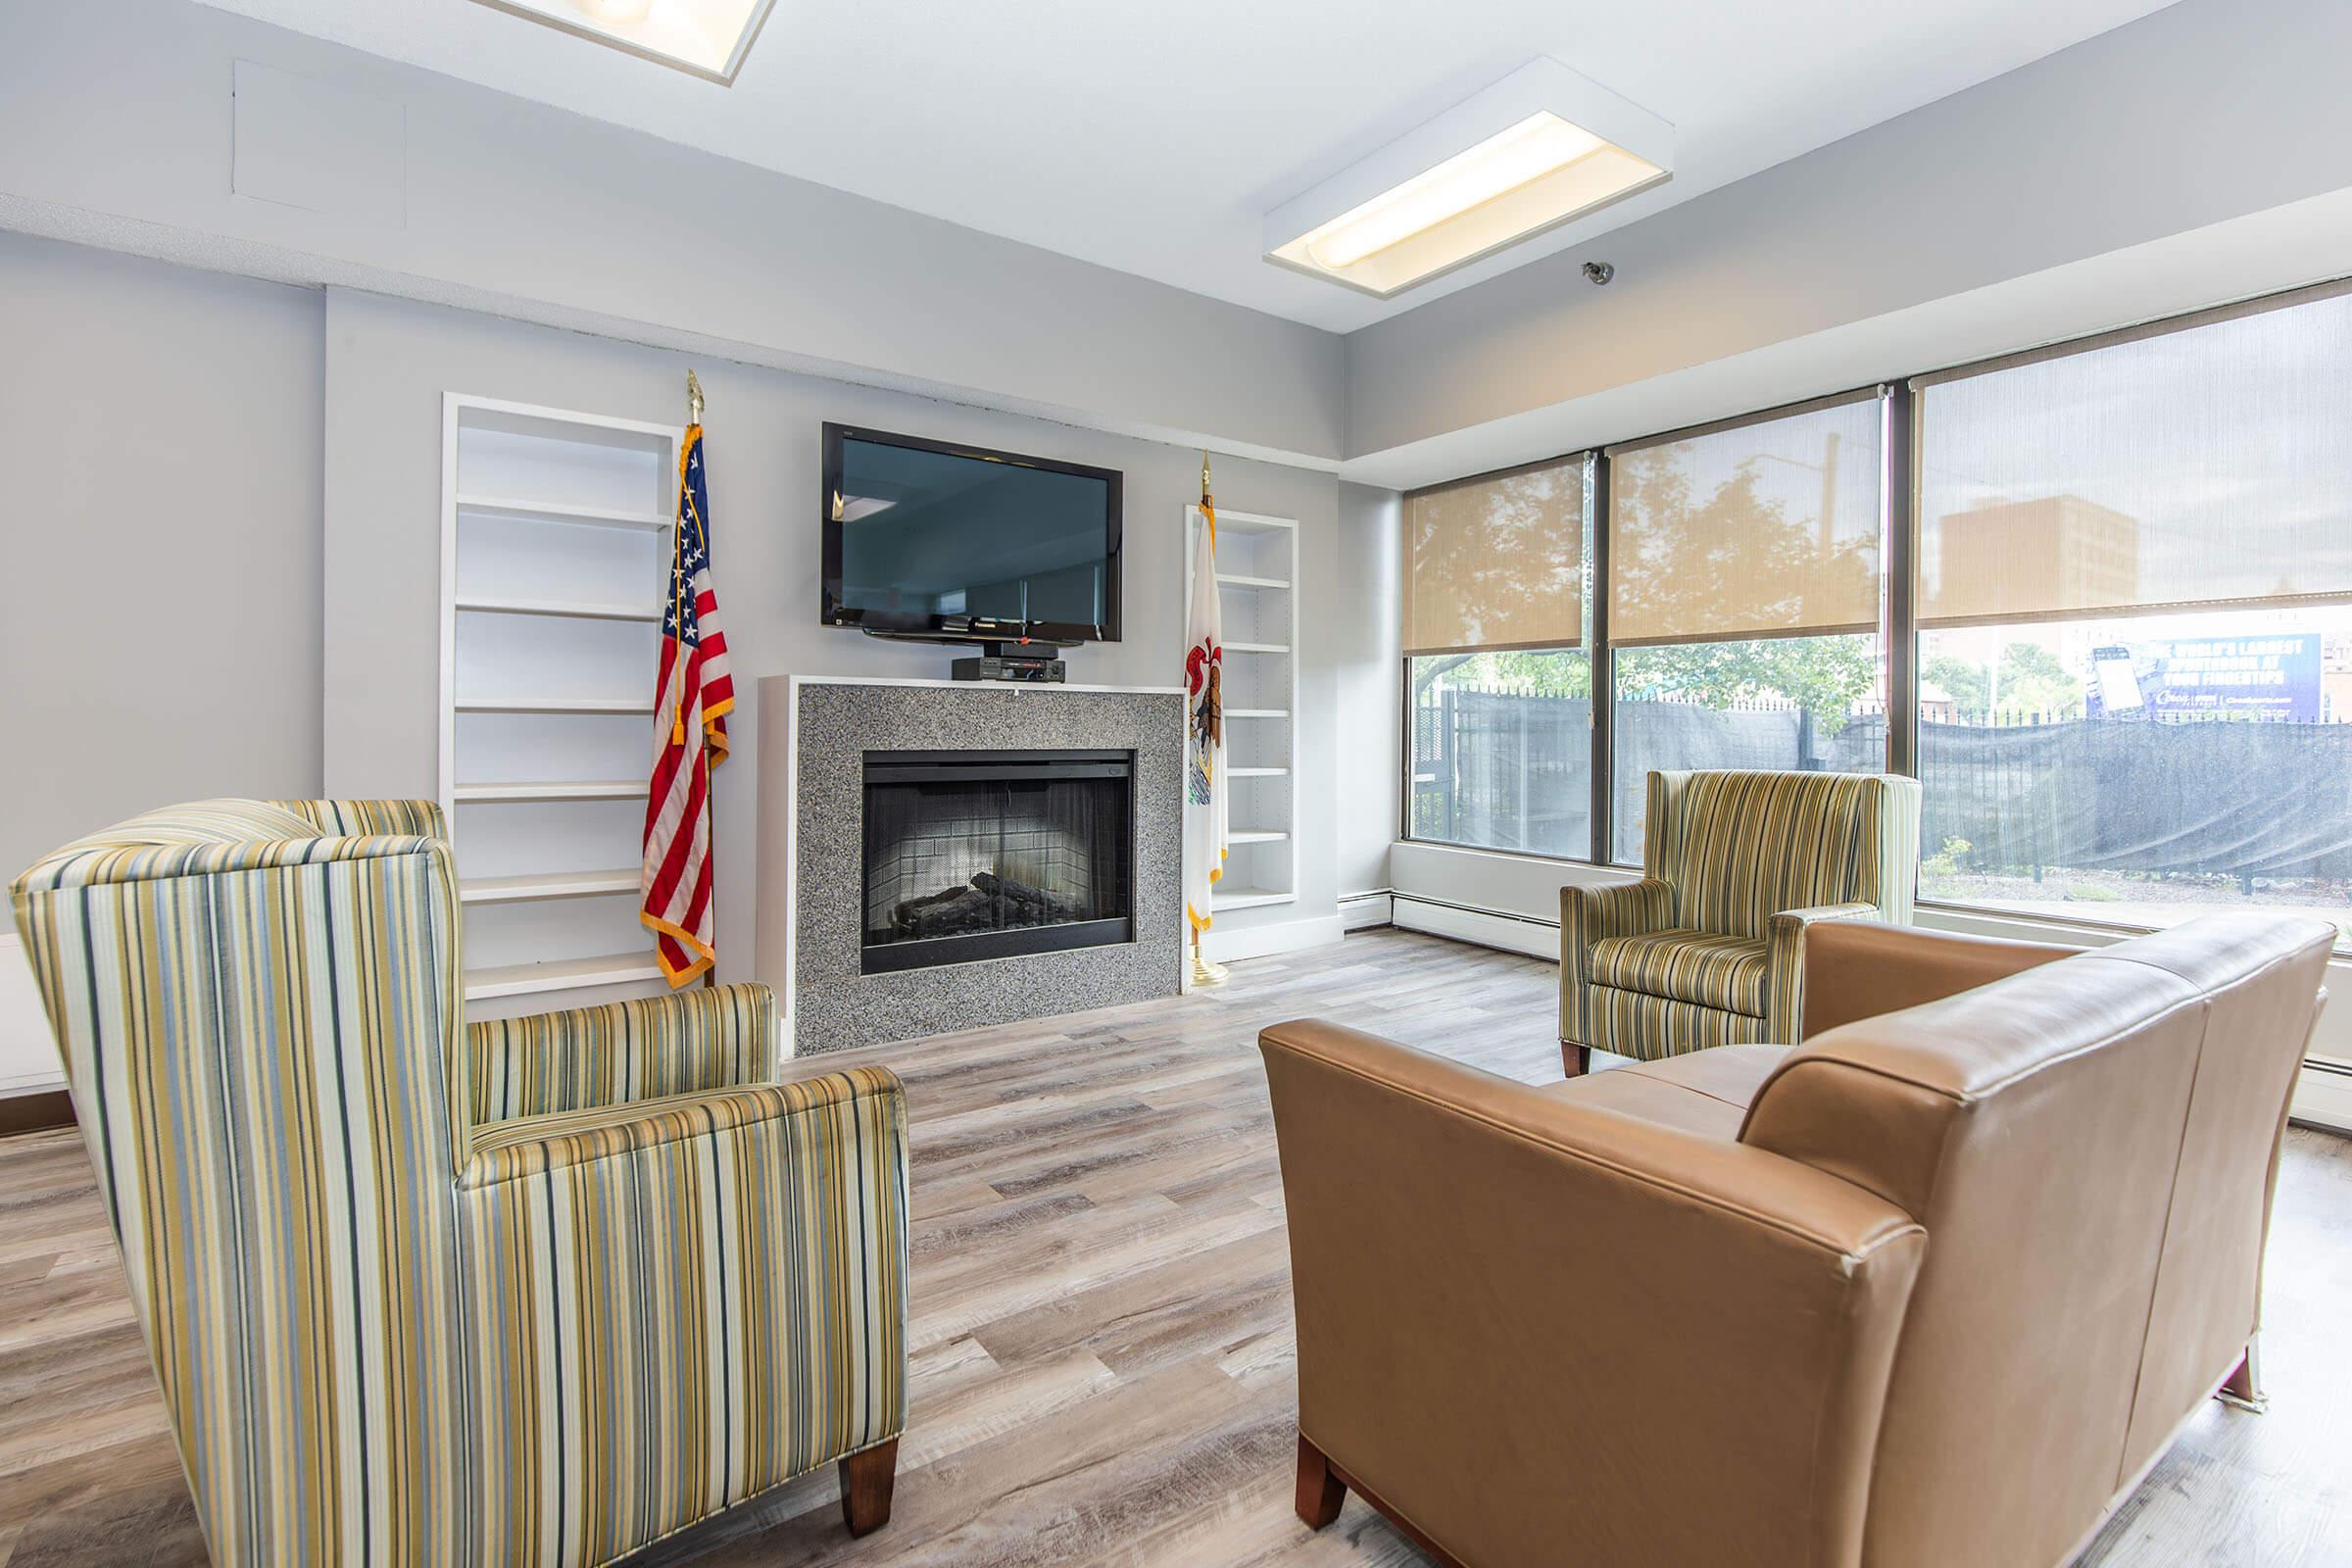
(1539,147)
(707,37)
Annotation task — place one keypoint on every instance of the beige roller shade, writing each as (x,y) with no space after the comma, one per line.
(1762,528)
(1496,562)
(2173,467)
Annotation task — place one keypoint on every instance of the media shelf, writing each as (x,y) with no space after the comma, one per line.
(1258,571)
(556,536)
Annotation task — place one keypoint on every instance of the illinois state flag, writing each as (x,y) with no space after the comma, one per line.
(1205,724)
(693,696)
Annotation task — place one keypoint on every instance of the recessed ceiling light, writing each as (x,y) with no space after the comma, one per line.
(707,37)
(1539,147)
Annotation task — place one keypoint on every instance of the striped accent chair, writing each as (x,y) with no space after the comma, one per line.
(534,1291)
(1708,948)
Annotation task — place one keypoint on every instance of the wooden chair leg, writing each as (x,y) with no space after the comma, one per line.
(1320,1491)
(2243,1387)
(1577,1060)
(866,1479)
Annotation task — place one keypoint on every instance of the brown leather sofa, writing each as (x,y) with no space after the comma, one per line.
(1935,1288)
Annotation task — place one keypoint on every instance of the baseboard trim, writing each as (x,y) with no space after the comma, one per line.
(2323,1097)
(1538,939)
(1360,911)
(1223,945)
(36,1112)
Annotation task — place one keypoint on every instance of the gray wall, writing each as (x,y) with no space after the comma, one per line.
(1369,676)
(117,127)
(159,515)
(388,363)
(2200,113)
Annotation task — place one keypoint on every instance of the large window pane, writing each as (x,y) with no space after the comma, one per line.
(1744,602)
(1801,702)
(2135,568)
(1502,751)
(2141,770)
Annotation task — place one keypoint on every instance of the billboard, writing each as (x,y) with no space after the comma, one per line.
(2274,677)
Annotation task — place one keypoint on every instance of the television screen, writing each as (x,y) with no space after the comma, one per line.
(927,538)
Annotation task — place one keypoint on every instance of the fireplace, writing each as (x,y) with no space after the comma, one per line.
(992,854)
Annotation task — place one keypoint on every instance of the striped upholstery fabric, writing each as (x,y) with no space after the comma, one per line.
(1708,948)
(1714,971)
(610,1056)
(390,1330)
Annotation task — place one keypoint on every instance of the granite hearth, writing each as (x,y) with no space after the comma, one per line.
(939,854)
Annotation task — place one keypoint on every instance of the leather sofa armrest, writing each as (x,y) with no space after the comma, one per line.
(1523,1321)
(1861,969)
(1593,913)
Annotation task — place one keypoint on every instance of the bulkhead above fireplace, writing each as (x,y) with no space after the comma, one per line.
(973,854)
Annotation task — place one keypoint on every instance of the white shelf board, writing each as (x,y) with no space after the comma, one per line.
(1255,836)
(561,511)
(621,789)
(575,609)
(1249,522)
(1240,898)
(518,979)
(1257,713)
(1234,579)
(1257,648)
(1257,773)
(548,885)
(554,705)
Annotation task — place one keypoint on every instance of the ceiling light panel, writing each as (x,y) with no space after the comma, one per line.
(1539,147)
(707,37)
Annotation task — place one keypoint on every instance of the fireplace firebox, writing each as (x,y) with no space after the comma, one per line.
(992,854)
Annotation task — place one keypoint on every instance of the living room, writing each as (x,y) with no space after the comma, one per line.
(1399,762)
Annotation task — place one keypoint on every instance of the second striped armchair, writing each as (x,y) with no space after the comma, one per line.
(1708,948)
(535,1290)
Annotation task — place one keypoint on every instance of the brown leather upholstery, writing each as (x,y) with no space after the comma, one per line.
(1956,1281)
(1861,969)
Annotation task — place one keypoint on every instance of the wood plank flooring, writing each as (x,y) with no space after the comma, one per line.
(1102,1343)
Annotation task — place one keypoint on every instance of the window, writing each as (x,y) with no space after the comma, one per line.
(1498,679)
(2136,623)
(1743,601)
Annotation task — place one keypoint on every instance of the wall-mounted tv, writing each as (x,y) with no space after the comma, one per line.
(929,539)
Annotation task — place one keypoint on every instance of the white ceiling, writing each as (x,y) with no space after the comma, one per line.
(1152,138)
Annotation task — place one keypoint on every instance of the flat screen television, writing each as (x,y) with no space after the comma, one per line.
(961,544)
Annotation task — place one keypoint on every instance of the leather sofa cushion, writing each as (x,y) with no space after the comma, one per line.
(1699,966)
(1706,1092)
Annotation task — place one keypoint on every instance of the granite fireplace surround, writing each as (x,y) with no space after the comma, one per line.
(826,727)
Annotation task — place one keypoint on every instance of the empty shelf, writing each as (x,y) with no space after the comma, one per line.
(1240,898)
(554,705)
(1255,836)
(577,609)
(1257,648)
(1257,713)
(1257,773)
(516,979)
(620,789)
(1235,579)
(547,885)
(561,511)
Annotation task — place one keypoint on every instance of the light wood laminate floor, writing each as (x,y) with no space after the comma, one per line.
(1102,1323)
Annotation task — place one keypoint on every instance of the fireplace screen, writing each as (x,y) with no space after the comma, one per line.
(989,854)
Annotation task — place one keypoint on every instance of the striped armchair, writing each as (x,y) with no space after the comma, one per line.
(1708,948)
(534,1291)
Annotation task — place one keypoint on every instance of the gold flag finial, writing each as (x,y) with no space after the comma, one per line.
(694,399)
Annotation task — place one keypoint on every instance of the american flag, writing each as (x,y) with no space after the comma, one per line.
(691,704)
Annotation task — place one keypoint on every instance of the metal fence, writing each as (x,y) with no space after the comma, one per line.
(1510,770)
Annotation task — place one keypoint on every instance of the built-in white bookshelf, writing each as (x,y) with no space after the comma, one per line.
(1257,575)
(555,545)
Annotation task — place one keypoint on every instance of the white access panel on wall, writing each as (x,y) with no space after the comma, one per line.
(1257,574)
(555,541)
